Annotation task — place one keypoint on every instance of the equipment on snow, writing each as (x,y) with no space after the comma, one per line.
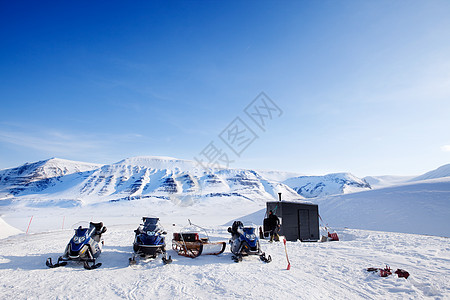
(149,241)
(402,273)
(85,246)
(332,236)
(287,258)
(387,271)
(382,272)
(245,242)
(261,234)
(193,241)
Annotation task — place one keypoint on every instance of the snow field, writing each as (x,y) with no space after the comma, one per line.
(7,230)
(332,270)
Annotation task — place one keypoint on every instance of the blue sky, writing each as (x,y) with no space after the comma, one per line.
(364,86)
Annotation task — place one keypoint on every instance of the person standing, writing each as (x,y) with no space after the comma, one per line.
(274,225)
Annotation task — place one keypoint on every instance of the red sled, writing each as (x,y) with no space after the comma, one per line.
(333,236)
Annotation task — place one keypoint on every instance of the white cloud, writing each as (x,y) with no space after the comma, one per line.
(445,148)
(56,142)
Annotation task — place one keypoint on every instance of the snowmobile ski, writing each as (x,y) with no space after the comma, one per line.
(265,259)
(236,258)
(58,264)
(91,267)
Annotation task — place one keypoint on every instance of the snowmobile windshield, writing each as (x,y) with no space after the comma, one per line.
(150,221)
(152,228)
(82,224)
(249,233)
(249,230)
(152,225)
(82,231)
(81,235)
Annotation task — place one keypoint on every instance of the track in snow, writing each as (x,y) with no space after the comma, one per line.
(319,270)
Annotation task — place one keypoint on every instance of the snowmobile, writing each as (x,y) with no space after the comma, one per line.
(193,241)
(85,246)
(149,241)
(244,242)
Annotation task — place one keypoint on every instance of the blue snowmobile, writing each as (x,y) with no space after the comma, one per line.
(85,246)
(149,241)
(244,242)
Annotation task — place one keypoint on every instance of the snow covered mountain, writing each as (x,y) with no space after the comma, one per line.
(331,184)
(278,175)
(134,178)
(39,174)
(182,189)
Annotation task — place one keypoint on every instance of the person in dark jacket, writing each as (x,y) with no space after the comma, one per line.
(274,226)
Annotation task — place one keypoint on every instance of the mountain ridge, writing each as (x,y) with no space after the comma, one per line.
(171,178)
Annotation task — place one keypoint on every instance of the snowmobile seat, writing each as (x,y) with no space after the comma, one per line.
(99,229)
(235,226)
(98,226)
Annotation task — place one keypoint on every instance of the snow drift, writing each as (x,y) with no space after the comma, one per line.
(443,171)
(421,207)
(7,230)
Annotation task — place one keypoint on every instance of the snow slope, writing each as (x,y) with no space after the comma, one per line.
(333,270)
(443,171)
(421,207)
(331,184)
(7,230)
(386,180)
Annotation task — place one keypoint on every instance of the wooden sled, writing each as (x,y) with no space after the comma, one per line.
(190,244)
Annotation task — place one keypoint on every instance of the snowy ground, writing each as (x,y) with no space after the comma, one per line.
(332,270)
(418,207)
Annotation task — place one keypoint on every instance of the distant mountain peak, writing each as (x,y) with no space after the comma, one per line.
(139,177)
(330,184)
(145,160)
(161,163)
